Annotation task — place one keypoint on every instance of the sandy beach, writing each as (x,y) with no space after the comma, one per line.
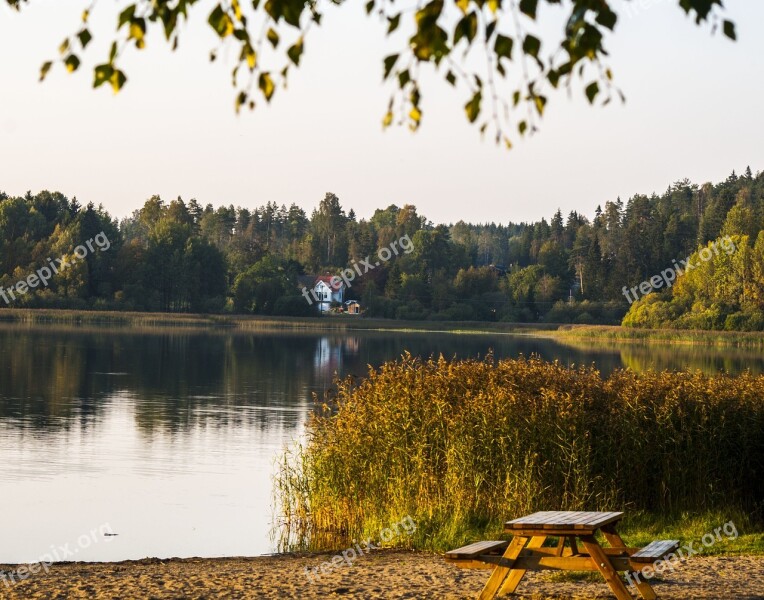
(383,574)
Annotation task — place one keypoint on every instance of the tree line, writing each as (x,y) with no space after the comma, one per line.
(180,256)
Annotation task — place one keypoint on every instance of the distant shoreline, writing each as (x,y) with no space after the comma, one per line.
(563,333)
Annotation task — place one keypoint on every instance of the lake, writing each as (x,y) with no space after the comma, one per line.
(168,438)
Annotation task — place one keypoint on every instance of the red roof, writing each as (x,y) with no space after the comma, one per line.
(327,279)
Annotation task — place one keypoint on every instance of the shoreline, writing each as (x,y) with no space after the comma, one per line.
(563,333)
(382,574)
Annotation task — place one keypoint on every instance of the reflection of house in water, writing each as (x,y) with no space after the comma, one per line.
(330,352)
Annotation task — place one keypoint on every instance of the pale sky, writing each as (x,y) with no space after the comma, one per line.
(693,110)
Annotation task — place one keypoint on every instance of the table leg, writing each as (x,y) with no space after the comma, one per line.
(643,587)
(573,545)
(602,562)
(516,575)
(499,574)
(560,545)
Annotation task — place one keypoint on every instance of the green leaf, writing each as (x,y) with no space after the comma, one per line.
(241,98)
(117,80)
(273,37)
(266,85)
(389,64)
(395,20)
(451,78)
(72,63)
(44,70)
(529,7)
(221,22)
(729,30)
(102,74)
(592,90)
(295,52)
(248,54)
(607,18)
(522,126)
(84,37)
(472,108)
(137,30)
(289,10)
(490,28)
(113,52)
(403,78)
(466,27)
(126,15)
(503,46)
(554,77)
(531,45)
(369,7)
(540,102)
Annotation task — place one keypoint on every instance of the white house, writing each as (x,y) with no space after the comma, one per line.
(328,289)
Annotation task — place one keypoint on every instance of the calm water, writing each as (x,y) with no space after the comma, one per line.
(169,438)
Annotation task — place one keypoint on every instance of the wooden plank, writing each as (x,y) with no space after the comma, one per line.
(544,562)
(603,564)
(563,520)
(539,561)
(516,575)
(655,550)
(567,531)
(605,519)
(616,541)
(478,548)
(470,564)
(500,573)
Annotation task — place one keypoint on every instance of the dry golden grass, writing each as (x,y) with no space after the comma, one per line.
(462,445)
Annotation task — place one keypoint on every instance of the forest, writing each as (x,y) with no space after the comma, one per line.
(180,256)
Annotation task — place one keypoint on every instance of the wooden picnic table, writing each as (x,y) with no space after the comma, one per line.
(526,552)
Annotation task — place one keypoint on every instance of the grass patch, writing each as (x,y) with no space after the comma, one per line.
(659,336)
(463,445)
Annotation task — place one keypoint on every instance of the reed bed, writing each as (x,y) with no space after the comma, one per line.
(462,445)
(698,337)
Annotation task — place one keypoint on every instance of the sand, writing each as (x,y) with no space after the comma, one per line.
(379,574)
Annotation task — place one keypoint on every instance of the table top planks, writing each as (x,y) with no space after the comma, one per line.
(568,520)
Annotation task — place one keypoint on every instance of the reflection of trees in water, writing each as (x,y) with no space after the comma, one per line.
(176,380)
(709,360)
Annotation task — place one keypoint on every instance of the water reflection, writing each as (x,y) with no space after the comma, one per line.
(169,436)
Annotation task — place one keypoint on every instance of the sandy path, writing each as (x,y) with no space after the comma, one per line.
(383,574)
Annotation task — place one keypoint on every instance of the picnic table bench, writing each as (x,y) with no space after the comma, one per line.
(526,552)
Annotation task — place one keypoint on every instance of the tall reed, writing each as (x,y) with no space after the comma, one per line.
(462,445)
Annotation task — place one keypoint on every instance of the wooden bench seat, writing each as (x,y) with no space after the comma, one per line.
(655,551)
(474,550)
